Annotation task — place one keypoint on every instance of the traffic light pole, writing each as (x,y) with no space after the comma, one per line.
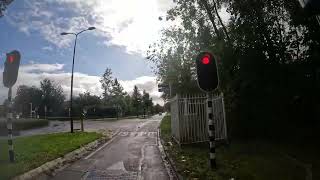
(10,75)
(9,126)
(211,132)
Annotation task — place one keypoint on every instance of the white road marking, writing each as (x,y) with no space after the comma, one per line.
(117,166)
(141,133)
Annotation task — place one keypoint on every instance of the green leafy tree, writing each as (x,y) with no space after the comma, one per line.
(118,95)
(3,6)
(52,97)
(136,100)
(146,101)
(86,101)
(267,60)
(128,109)
(158,108)
(26,95)
(106,85)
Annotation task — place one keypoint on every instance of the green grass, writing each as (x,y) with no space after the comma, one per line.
(254,160)
(33,151)
(165,128)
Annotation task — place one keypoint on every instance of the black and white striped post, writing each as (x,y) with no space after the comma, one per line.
(9,126)
(211,133)
(10,75)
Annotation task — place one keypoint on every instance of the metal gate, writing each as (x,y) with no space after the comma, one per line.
(189,118)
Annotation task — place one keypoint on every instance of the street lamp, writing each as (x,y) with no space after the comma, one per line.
(45,106)
(74,52)
(30,110)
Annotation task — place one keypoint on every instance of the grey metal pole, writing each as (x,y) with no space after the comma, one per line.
(170,89)
(45,112)
(211,132)
(9,126)
(82,117)
(71,112)
(31,110)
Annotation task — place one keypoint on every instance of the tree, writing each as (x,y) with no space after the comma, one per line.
(128,108)
(3,6)
(158,108)
(24,97)
(106,84)
(136,100)
(117,89)
(146,101)
(85,101)
(118,94)
(267,50)
(52,96)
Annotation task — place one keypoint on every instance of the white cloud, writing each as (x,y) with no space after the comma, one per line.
(32,74)
(147,83)
(47,48)
(29,68)
(133,24)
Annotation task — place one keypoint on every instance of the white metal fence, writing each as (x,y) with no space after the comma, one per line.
(189,118)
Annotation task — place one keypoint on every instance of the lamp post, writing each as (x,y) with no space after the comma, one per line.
(45,106)
(30,110)
(74,52)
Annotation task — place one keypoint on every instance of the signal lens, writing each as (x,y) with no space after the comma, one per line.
(205,60)
(11,59)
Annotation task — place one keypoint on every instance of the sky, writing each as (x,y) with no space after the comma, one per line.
(125,29)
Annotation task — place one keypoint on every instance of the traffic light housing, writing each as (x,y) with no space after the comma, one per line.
(11,68)
(312,7)
(207,71)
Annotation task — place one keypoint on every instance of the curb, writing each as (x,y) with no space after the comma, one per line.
(169,164)
(49,168)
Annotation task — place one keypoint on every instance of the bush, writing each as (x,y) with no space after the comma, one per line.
(23,124)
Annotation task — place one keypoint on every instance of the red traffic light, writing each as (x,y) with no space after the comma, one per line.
(11,69)
(205,59)
(10,58)
(207,72)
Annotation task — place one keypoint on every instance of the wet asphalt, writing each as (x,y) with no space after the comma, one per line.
(131,154)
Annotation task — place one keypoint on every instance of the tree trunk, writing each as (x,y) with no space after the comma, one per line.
(211,17)
(220,20)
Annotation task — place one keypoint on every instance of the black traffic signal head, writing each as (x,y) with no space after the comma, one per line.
(11,68)
(207,71)
(312,6)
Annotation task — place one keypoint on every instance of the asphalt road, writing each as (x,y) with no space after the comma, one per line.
(132,154)
(89,125)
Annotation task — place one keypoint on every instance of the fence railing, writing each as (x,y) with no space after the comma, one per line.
(189,118)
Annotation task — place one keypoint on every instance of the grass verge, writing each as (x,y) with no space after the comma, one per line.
(240,160)
(33,151)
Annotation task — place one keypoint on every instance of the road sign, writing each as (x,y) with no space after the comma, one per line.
(207,71)
(11,68)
